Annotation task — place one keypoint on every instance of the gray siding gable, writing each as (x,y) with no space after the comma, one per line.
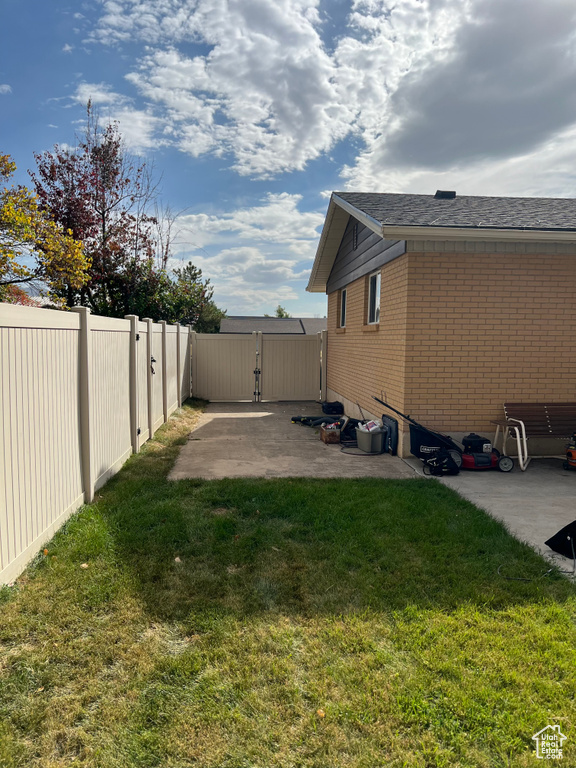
(371,253)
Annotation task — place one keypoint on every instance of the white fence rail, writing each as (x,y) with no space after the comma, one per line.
(78,395)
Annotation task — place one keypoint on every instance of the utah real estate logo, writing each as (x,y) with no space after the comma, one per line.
(549,743)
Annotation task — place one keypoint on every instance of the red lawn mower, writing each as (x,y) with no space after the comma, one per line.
(443,456)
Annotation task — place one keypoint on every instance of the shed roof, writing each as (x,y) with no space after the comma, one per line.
(285,325)
(427,217)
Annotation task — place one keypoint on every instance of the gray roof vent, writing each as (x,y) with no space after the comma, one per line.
(444,194)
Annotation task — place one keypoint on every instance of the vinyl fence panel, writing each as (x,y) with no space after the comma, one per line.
(157,395)
(223,366)
(77,397)
(110,396)
(171,377)
(290,367)
(142,365)
(40,467)
(184,364)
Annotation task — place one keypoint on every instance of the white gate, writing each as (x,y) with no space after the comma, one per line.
(235,367)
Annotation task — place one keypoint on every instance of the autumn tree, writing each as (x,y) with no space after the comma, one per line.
(108,201)
(102,195)
(33,248)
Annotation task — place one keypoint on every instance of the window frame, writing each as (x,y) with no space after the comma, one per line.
(342,307)
(377,291)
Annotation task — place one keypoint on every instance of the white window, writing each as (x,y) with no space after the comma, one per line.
(342,322)
(374,298)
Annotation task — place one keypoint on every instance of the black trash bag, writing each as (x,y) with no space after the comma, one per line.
(333,409)
(564,542)
(311,421)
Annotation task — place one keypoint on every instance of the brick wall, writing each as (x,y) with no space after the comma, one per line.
(484,328)
(365,360)
(460,333)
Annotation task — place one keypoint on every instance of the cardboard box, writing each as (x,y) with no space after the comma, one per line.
(329,435)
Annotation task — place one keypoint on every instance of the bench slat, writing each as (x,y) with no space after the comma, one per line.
(544,419)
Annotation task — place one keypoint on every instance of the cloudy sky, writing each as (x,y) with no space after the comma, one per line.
(253,111)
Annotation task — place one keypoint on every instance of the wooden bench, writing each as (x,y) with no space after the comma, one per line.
(525,420)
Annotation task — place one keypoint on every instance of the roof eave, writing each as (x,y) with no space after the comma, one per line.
(330,239)
(392,232)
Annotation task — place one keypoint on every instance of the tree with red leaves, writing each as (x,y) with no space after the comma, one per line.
(102,195)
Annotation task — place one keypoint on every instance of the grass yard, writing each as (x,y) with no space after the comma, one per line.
(280,623)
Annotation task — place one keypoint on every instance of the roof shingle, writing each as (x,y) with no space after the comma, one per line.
(542,213)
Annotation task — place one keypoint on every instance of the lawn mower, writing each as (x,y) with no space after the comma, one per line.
(444,456)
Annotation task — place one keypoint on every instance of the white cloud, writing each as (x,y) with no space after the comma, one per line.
(421,86)
(266,92)
(67,48)
(273,264)
(100,94)
(140,128)
(497,92)
(5,89)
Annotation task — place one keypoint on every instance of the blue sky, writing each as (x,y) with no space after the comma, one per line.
(253,111)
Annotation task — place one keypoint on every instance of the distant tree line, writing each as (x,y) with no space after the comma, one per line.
(92,234)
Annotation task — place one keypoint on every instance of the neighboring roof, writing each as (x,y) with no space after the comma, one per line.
(425,217)
(313,325)
(286,325)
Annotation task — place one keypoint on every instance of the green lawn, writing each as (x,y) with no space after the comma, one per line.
(325,624)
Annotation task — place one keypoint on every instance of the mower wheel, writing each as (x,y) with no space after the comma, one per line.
(505,464)
(456,457)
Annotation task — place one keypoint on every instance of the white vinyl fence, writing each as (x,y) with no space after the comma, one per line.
(258,366)
(78,395)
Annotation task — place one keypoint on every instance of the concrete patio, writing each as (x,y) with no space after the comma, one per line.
(534,504)
(259,440)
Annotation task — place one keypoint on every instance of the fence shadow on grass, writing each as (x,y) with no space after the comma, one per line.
(312,546)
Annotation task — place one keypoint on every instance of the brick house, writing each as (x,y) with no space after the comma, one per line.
(449,306)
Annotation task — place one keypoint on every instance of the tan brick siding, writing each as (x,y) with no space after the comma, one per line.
(361,362)
(486,328)
(459,334)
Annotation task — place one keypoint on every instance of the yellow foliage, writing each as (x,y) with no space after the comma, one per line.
(32,247)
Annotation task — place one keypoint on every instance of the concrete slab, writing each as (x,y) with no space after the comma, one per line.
(533,505)
(259,440)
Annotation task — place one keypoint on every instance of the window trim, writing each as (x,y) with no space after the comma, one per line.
(342,300)
(377,291)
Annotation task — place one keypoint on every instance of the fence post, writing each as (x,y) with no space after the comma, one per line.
(133,381)
(193,344)
(178,366)
(164,371)
(323,368)
(149,383)
(188,360)
(259,349)
(85,359)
